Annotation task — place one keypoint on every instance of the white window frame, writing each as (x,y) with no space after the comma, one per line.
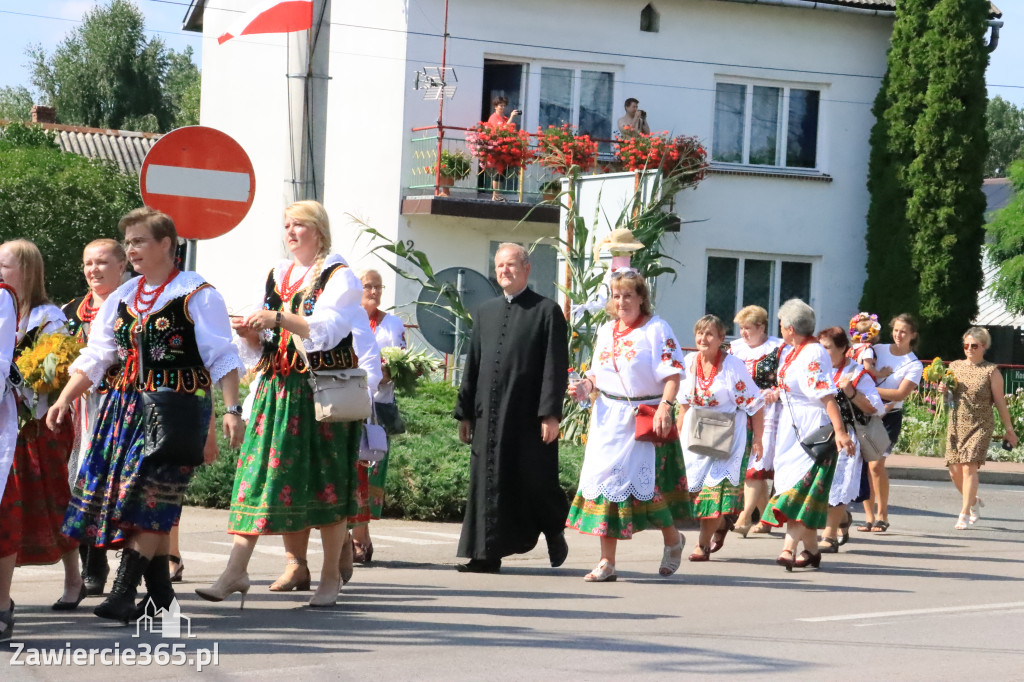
(531,116)
(748,112)
(775,303)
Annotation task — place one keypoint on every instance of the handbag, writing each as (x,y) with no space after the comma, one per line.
(339,395)
(645,426)
(373,443)
(390,418)
(711,433)
(872,437)
(820,444)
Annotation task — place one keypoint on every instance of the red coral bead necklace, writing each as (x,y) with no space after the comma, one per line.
(705,383)
(88,312)
(288,289)
(144,300)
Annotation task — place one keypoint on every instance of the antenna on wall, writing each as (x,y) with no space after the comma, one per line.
(433,81)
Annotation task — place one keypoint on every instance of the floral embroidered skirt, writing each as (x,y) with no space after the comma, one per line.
(294,473)
(119,490)
(714,501)
(363,513)
(620,520)
(807,501)
(41,469)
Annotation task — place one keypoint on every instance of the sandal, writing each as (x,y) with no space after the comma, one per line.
(806,559)
(363,553)
(832,545)
(961,522)
(176,575)
(718,539)
(785,562)
(671,557)
(299,581)
(761,529)
(603,573)
(706,556)
(742,530)
(866,527)
(974,516)
(879,527)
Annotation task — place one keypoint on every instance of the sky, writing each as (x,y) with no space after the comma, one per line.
(47,21)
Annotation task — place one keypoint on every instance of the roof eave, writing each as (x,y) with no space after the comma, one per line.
(193,20)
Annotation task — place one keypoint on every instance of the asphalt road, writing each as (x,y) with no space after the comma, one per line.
(921,602)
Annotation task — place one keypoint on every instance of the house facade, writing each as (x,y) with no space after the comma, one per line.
(780,93)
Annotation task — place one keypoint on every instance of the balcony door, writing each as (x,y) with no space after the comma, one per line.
(503,78)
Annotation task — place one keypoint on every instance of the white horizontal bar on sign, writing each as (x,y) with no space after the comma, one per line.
(197,183)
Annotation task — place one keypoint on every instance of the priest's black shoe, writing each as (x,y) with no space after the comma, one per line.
(480,566)
(558,549)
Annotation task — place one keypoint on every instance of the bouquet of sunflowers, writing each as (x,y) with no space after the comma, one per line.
(406,366)
(937,375)
(44,367)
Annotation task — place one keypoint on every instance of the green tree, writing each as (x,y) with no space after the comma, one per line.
(1006,245)
(106,73)
(60,201)
(183,85)
(946,208)
(891,284)
(15,103)
(1004,124)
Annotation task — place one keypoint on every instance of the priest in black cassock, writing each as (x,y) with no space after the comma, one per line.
(509,408)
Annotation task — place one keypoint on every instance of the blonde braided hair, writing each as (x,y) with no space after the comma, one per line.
(313,214)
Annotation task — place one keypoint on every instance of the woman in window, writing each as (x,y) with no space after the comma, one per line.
(898,372)
(627,485)
(719,382)
(807,393)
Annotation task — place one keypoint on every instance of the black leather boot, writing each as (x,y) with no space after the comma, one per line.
(159,591)
(94,569)
(120,603)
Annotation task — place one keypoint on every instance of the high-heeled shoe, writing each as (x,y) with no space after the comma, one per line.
(742,530)
(811,560)
(781,560)
(363,554)
(61,605)
(974,515)
(706,556)
(179,570)
(347,557)
(671,558)
(326,597)
(214,593)
(831,545)
(299,581)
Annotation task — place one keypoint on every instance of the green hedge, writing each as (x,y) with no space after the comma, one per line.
(428,472)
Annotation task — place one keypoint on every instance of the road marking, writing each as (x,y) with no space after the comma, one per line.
(410,541)
(452,536)
(197,183)
(913,612)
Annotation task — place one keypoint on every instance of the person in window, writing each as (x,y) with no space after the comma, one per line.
(898,373)
(169,329)
(807,393)
(979,387)
(627,485)
(635,120)
(497,118)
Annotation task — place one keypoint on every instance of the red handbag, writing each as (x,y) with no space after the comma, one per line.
(645,426)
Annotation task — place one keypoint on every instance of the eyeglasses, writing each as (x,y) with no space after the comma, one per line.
(136,243)
(373,287)
(972,346)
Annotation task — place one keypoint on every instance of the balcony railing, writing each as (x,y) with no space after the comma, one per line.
(530,184)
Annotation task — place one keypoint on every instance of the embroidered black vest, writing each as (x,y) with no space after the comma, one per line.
(279,356)
(165,349)
(79,329)
(766,368)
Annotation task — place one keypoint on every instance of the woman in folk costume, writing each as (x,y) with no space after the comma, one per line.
(170,330)
(295,473)
(41,458)
(759,352)
(103,264)
(10,499)
(719,382)
(627,485)
(807,393)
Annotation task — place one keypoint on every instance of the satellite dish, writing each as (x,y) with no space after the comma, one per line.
(437,324)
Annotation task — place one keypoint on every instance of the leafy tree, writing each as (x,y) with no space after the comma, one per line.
(107,74)
(1004,124)
(15,103)
(946,208)
(1006,246)
(182,85)
(891,284)
(60,201)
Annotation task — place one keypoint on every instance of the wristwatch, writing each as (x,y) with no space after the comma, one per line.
(277,318)
(235,410)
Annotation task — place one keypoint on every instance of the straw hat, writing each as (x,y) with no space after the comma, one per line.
(620,240)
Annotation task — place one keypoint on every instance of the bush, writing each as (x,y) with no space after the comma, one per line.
(428,469)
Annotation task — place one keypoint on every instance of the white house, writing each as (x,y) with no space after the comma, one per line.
(779,90)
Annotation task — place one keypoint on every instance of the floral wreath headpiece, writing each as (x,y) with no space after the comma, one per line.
(871,334)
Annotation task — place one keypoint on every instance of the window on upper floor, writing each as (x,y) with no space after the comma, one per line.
(580,97)
(766,125)
(738,280)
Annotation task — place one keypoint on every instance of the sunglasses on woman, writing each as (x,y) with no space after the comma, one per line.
(626,274)
(972,346)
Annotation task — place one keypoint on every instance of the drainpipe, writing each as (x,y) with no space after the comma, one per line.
(308,57)
(993,40)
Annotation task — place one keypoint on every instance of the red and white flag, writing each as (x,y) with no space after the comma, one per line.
(272,16)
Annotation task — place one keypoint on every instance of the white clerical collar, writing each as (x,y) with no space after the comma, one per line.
(512,297)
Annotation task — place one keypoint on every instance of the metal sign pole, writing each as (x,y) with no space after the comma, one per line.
(457,372)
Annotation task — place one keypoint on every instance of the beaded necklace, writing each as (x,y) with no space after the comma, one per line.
(87,312)
(705,384)
(287,288)
(789,361)
(144,300)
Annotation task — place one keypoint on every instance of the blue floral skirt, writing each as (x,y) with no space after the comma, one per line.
(117,489)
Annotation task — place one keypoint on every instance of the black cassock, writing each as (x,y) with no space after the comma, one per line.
(516,374)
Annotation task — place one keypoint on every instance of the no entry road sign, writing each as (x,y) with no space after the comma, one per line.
(200,177)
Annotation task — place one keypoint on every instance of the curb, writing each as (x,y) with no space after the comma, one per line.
(929,474)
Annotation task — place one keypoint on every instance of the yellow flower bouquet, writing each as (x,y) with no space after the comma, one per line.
(44,367)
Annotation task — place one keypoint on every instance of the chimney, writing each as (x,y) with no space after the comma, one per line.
(43,114)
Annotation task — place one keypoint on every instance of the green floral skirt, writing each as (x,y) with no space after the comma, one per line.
(620,520)
(294,473)
(807,501)
(378,475)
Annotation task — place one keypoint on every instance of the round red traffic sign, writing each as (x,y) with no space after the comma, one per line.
(200,177)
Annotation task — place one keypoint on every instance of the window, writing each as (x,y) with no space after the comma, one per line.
(580,97)
(737,281)
(650,20)
(764,125)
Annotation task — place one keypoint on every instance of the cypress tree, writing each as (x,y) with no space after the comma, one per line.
(946,206)
(891,284)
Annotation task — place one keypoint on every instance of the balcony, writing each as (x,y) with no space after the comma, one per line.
(525,193)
